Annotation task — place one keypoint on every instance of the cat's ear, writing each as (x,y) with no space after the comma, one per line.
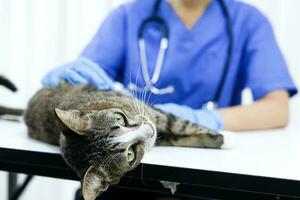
(73,119)
(95,182)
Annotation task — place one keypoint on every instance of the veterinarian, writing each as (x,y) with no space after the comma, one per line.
(189,54)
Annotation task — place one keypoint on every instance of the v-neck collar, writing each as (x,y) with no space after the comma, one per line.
(198,24)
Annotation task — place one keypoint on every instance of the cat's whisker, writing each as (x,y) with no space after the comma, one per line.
(111,160)
(132,108)
(148,98)
(144,92)
(107,160)
(144,99)
(134,95)
(135,105)
(141,98)
(138,96)
(139,103)
(147,108)
(127,99)
(129,104)
(136,102)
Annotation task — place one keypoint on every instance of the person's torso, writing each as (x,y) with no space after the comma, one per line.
(195,59)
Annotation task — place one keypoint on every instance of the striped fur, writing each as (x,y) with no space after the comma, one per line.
(96,149)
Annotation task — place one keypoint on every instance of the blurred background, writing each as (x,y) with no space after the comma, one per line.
(37,35)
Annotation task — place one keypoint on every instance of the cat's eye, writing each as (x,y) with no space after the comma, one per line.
(120,119)
(130,154)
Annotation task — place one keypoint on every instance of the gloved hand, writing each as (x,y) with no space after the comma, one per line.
(208,118)
(80,71)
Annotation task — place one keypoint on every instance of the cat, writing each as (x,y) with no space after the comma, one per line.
(102,134)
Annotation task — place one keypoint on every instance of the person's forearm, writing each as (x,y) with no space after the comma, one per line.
(270,112)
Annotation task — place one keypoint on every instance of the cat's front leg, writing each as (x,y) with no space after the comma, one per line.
(175,131)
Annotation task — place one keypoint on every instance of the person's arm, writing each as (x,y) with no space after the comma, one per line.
(107,48)
(265,72)
(271,111)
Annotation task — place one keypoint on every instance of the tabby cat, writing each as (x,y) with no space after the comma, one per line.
(102,135)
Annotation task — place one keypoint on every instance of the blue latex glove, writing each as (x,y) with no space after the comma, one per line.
(81,71)
(208,118)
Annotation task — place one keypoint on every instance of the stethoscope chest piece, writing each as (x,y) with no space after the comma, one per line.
(210,105)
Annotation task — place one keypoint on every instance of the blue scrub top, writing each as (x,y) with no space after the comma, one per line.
(195,58)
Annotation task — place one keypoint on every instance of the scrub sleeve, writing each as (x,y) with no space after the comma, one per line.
(108,45)
(265,69)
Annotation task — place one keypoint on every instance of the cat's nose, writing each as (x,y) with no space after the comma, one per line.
(151,130)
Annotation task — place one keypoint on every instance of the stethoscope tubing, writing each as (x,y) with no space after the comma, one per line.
(227,62)
(150,82)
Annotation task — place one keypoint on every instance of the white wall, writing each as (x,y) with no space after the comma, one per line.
(284,16)
(36,35)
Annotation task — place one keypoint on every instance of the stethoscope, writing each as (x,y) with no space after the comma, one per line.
(151,81)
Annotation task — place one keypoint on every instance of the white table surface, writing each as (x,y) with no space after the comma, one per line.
(272,153)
